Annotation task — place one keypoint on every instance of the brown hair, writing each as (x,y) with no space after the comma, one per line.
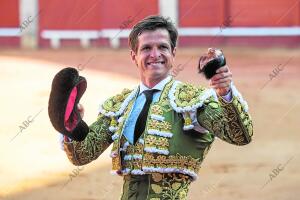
(152,23)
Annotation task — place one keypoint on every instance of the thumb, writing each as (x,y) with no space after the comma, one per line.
(80,109)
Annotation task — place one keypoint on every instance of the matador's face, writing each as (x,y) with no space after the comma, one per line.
(154,56)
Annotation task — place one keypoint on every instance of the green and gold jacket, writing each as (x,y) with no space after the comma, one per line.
(169,143)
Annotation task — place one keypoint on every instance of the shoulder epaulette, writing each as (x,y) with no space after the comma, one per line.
(187,97)
(115,106)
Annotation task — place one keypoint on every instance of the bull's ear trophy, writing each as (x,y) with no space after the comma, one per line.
(210,63)
(66,91)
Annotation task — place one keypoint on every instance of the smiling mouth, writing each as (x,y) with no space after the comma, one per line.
(155,63)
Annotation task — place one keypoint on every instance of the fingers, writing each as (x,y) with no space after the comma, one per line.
(222,80)
(223,69)
(221,76)
(224,85)
(80,109)
(222,73)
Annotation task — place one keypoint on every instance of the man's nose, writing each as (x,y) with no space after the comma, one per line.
(155,52)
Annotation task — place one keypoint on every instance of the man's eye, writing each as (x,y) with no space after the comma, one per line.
(164,47)
(145,48)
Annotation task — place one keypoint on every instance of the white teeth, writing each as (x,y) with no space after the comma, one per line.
(155,63)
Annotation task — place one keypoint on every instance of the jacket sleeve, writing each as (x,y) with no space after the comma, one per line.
(230,121)
(96,142)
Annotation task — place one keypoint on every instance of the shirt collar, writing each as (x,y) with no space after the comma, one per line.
(159,86)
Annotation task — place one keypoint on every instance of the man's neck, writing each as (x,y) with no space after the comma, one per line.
(150,83)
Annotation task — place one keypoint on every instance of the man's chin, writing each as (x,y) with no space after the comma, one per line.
(151,67)
(158,75)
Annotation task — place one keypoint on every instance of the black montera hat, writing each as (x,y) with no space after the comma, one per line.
(209,69)
(66,90)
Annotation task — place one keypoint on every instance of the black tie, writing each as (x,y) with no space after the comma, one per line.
(141,120)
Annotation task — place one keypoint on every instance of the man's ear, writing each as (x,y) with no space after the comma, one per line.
(174,51)
(133,56)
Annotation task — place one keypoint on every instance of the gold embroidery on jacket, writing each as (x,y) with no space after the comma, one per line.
(157,141)
(169,186)
(171,161)
(158,125)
